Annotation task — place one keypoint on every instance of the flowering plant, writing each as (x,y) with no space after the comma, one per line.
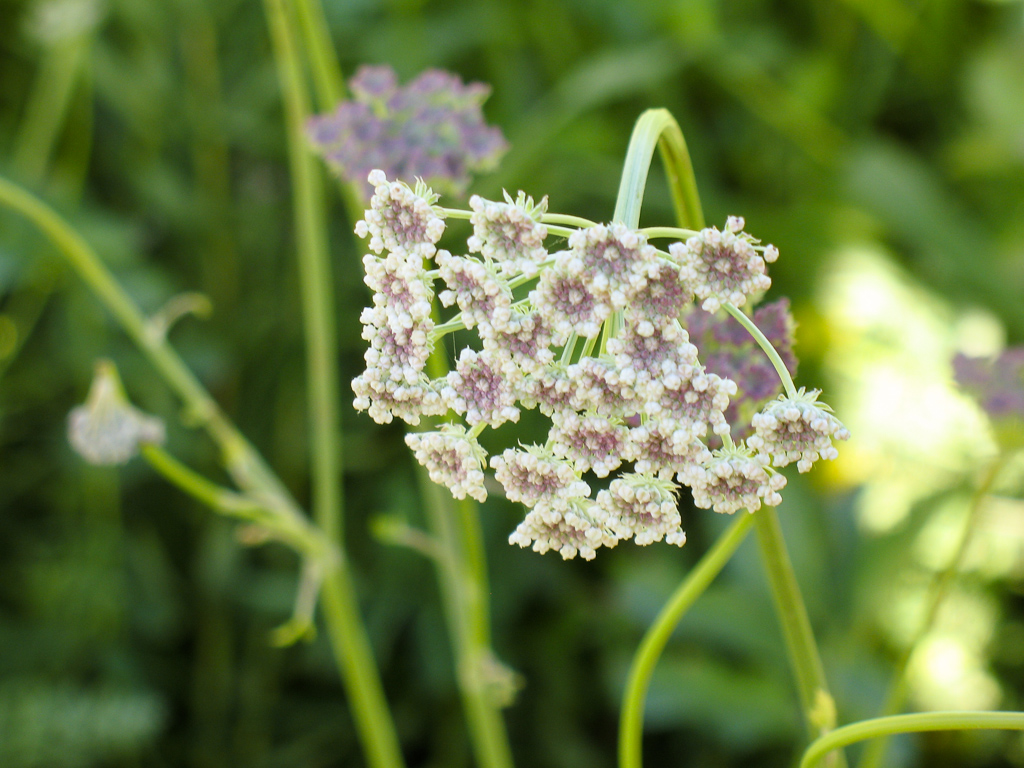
(642,358)
(593,336)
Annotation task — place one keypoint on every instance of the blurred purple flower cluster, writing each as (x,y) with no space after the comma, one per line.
(431,128)
(998,385)
(732,353)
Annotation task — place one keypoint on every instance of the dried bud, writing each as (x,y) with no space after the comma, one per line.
(108,429)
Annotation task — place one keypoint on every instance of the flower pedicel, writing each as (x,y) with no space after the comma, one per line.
(595,337)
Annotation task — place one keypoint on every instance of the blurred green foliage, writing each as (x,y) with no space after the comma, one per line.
(134,626)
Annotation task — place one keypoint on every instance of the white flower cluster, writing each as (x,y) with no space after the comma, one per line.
(401,219)
(590,336)
(797,429)
(452,459)
(724,265)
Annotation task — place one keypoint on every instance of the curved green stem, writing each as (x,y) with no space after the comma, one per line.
(762,341)
(304,537)
(646,657)
(657,128)
(200,488)
(874,752)
(916,723)
(812,688)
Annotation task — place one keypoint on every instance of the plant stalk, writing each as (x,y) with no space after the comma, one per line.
(915,723)
(349,640)
(462,573)
(48,105)
(647,655)
(657,128)
(812,688)
(766,346)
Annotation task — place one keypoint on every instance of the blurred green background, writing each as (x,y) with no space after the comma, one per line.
(878,143)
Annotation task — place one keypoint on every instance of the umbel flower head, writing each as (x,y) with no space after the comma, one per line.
(108,429)
(797,428)
(431,128)
(725,265)
(645,392)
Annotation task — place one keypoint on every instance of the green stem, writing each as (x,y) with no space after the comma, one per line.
(571,221)
(657,128)
(44,114)
(674,233)
(642,667)
(304,537)
(204,490)
(762,341)
(323,60)
(925,721)
(588,347)
(462,573)
(354,655)
(560,231)
(351,645)
(463,580)
(316,281)
(812,688)
(874,753)
(328,82)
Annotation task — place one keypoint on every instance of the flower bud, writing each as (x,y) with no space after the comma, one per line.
(108,429)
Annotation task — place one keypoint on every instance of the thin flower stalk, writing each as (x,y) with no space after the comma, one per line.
(884,727)
(812,688)
(462,573)
(348,635)
(766,345)
(657,635)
